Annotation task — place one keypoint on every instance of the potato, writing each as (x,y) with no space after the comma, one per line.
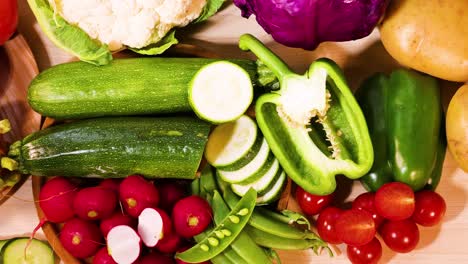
(457,127)
(430,36)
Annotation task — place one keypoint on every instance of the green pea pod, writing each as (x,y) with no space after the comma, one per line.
(231,226)
(244,246)
(69,37)
(268,240)
(312,123)
(404,114)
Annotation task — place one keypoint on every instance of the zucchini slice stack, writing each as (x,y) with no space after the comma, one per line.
(242,158)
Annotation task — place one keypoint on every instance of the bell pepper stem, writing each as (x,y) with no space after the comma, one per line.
(248,42)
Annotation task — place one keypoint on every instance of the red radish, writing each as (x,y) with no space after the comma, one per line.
(94,203)
(153,225)
(169,194)
(155,258)
(112,184)
(191,216)
(170,243)
(80,238)
(103,257)
(136,194)
(56,199)
(124,244)
(116,219)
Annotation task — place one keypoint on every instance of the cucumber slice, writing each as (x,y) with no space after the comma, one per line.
(251,154)
(229,142)
(220,92)
(2,243)
(274,193)
(253,170)
(261,185)
(38,252)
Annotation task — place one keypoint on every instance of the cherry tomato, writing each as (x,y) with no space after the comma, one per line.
(394,201)
(365,202)
(369,253)
(312,204)
(400,236)
(326,225)
(430,208)
(355,227)
(8,19)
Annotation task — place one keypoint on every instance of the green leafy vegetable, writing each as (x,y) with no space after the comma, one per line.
(159,47)
(68,37)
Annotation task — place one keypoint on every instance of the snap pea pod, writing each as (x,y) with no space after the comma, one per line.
(233,256)
(207,181)
(244,246)
(218,259)
(230,227)
(195,187)
(272,241)
(276,225)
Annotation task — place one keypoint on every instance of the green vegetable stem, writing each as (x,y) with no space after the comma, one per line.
(404,116)
(313,123)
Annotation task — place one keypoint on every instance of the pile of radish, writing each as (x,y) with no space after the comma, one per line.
(124,221)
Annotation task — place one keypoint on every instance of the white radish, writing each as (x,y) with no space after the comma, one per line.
(152,225)
(123,244)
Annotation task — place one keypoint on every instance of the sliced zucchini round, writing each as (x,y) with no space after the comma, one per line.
(262,184)
(230,142)
(220,92)
(249,156)
(253,170)
(274,193)
(37,252)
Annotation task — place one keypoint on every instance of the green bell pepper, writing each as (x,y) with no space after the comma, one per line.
(404,117)
(313,124)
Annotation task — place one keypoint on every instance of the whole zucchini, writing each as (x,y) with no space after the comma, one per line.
(113,147)
(135,86)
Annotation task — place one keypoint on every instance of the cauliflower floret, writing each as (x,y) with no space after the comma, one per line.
(133,23)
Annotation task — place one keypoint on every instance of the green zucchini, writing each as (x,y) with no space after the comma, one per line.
(262,185)
(220,92)
(113,147)
(137,86)
(231,144)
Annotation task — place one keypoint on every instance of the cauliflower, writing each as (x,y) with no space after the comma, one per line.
(131,23)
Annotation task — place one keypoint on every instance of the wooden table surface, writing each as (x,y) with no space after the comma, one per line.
(445,243)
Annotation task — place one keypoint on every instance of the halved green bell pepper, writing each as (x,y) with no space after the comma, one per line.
(403,113)
(313,124)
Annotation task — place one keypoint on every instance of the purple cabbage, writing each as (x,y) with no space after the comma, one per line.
(307,23)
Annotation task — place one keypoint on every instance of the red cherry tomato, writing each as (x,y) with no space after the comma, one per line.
(369,253)
(355,227)
(400,236)
(8,19)
(365,202)
(430,208)
(326,225)
(312,204)
(394,201)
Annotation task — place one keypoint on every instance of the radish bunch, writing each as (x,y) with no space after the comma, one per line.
(124,221)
